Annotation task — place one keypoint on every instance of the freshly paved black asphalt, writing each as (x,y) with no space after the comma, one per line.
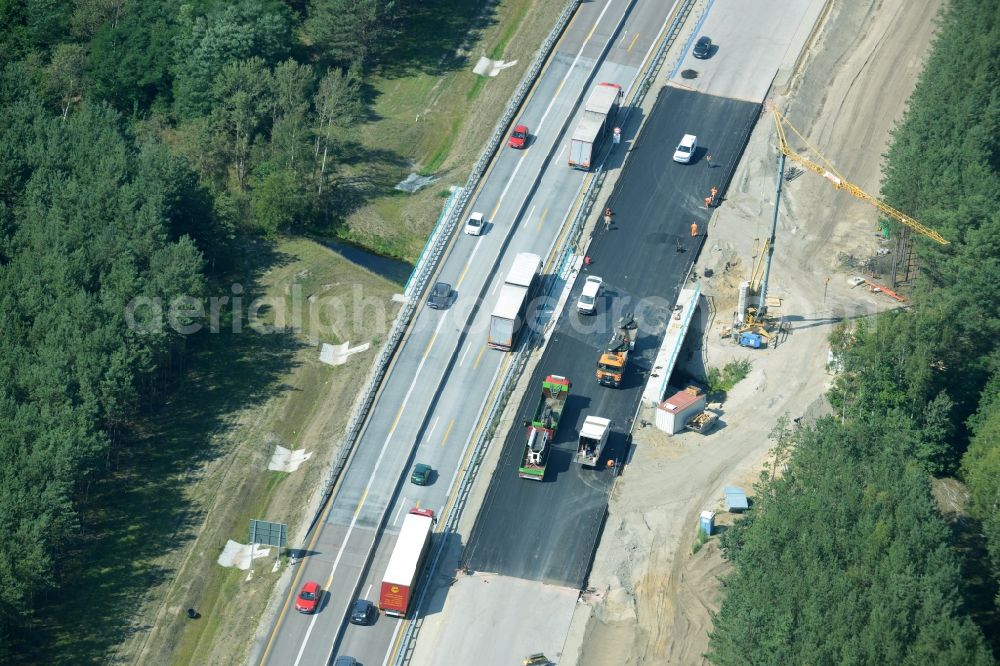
(548,531)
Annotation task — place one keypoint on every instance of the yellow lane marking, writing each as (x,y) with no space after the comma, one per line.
(447,432)
(541,218)
(479,357)
(361,503)
(632,43)
(462,276)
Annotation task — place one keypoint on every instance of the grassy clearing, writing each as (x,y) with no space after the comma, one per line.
(720,382)
(435,115)
(194,473)
(699,541)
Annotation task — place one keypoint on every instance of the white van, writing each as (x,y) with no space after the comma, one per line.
(587,304)
(685,149)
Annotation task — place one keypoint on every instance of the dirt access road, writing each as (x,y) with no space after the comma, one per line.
(652,598)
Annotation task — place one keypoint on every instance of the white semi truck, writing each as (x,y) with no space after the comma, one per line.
(509,313)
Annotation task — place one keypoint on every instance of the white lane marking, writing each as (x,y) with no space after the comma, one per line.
(368,592)
(392,641)
(495,286)
(399,511)
(433,425)
(364,495)
(467,265)
(468,348)
(468,442)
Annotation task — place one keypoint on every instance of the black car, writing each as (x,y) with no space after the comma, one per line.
(440,296)
(702,48)
(362,611)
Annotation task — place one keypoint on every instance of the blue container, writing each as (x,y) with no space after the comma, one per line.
(752,340)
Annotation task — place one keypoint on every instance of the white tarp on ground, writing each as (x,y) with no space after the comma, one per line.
(238,555)
(752,42)
(286,460)
(414,182)
(338,354)
(487,67)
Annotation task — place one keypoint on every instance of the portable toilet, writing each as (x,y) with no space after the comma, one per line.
(707,522)
(736,499)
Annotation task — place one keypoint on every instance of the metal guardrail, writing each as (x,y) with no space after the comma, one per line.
(432,240)
(430,257)
(521,358)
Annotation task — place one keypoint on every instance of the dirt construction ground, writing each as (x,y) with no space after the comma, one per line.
(650,599)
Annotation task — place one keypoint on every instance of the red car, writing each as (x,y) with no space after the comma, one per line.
(519,137)
(308,600)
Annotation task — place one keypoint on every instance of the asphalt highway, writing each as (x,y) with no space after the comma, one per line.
(430,402)
(548,531)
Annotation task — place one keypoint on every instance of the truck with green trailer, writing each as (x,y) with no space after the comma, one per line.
(542,428)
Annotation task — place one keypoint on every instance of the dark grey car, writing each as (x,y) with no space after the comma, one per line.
(362,611)
(702,48)
(440,296)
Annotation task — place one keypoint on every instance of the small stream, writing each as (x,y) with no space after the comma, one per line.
(391,269)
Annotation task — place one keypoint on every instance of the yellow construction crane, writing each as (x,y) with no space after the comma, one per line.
(753,327)
(831,174)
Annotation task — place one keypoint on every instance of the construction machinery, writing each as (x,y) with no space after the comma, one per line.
(752,315)
(614,359)
(841,183)
(542,428)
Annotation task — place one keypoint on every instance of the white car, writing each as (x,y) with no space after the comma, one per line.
(474,225)
(685,149)
(587,304)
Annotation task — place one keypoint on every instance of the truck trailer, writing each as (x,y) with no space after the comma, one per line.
(594,126)
(593,438)
(406,563)
(542,428)
(515,294)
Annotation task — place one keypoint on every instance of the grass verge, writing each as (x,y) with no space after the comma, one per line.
(436,115)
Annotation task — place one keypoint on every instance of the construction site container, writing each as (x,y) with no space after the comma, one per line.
(736,500)
(673,414)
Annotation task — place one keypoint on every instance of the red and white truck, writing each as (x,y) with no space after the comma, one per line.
(406,563)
